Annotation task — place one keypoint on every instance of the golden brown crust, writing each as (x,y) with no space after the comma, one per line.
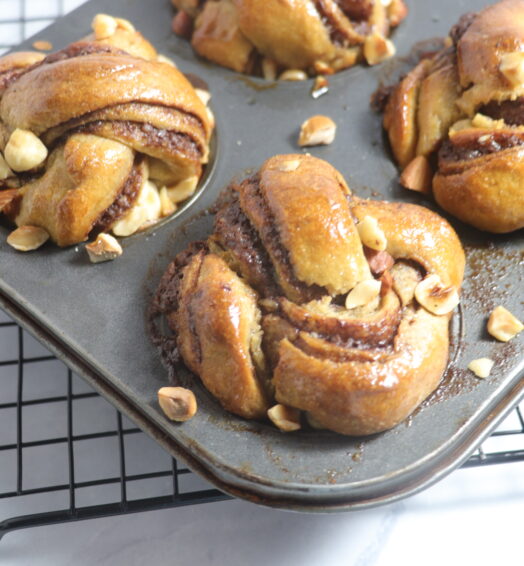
(481,72)
(293,34)
(355,370)
(97,108)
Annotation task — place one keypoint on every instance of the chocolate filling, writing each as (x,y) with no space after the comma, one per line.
(147,135)
(270,237)
(356,10)
(234,232)
(511,111)
(474,147)
(123,202)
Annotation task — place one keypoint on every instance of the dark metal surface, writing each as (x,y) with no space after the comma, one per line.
(93,315)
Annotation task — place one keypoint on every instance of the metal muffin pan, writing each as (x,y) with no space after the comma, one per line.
(93,316)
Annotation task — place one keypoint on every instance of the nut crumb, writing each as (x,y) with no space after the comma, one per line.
(27,238)
(503,325)
(377,48)
(435,297)
(178,403)
(104,248)
(417,175)
(363,293)
(317,130)
(287,419)
(481,367)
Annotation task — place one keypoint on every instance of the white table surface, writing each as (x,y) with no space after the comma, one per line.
(474,516)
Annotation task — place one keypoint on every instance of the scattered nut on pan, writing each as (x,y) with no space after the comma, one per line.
(317,130)
(182,24)
(27,238)
(293,75)
(104,248)
(512,67)
(417,175)
(371,235)
(104,26)
(285,418)
(481,367)
(43,45)
(363,293)
(178,403)
(435,297)
(377,48)
(503,325)
(24,151)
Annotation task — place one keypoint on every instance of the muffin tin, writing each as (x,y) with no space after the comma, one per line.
(94,316)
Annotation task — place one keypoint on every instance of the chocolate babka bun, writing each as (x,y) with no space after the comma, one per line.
(268,37)
(111,117)
(311,298)
(465,105)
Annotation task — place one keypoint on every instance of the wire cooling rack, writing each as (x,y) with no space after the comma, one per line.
(65,453)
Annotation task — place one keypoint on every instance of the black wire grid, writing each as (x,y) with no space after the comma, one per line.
(106,466)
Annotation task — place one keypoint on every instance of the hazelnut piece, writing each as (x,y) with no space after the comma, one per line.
(481,367)
(24,151)
(104,248)
(435,297)
(287,419)
(417,175)
(371,235)
(377,48)
(317,130)
(178,403)
(27,238)
(503,325)
(363,293)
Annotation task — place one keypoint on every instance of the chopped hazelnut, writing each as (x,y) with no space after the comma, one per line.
(167,206)
(104,248)
(417,175)
(287,419)
(24,151)
(6,197)
(293,75)
(5,171)
(317,130)
(377,48)
(183,189)
(104,26)
(27,238)
(503,325)
(371,235)
(481,367)
(435,297)
(363,293)
(178,403)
